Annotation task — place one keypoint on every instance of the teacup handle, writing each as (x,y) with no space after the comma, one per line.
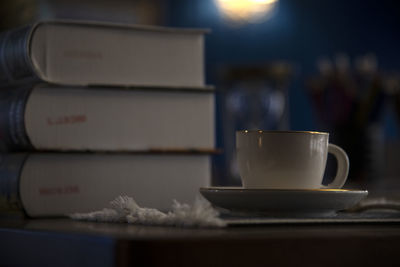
(343,166)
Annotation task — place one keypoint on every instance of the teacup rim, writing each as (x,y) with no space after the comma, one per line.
(282,131)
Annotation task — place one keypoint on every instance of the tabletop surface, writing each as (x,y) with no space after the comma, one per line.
(124,231)
(23,242)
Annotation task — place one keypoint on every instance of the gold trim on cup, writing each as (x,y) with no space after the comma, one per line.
(279,131)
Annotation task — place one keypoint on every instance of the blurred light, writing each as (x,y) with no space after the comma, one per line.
(244,11)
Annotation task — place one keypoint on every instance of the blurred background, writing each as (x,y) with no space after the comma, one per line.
(281,65)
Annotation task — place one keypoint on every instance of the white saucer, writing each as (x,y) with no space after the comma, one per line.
(279,202)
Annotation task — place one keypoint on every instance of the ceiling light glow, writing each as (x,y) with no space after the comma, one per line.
(253,11)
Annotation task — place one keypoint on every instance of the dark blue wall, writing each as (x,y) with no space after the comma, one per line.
(300,32)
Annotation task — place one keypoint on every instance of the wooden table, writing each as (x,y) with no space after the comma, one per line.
(63,242)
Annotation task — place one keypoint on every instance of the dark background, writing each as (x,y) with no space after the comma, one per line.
(278,57)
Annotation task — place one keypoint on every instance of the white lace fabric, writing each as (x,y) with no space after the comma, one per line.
(125,209)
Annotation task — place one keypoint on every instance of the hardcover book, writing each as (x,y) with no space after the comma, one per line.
(97,53)
(47,117)
(57,184)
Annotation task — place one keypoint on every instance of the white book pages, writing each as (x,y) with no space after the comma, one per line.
(60,184)
(119,120)
(90,54)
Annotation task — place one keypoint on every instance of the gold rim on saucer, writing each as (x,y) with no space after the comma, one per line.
(270,189)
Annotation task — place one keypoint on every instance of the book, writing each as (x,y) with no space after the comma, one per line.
(83,53)
(57,184)
(61,118)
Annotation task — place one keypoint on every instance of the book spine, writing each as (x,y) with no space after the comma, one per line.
(13,135)
(10,171)
(15,63)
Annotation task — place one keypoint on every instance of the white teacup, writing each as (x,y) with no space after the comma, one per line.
(287,159)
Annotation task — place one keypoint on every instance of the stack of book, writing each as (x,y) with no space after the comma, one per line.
(90,111)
